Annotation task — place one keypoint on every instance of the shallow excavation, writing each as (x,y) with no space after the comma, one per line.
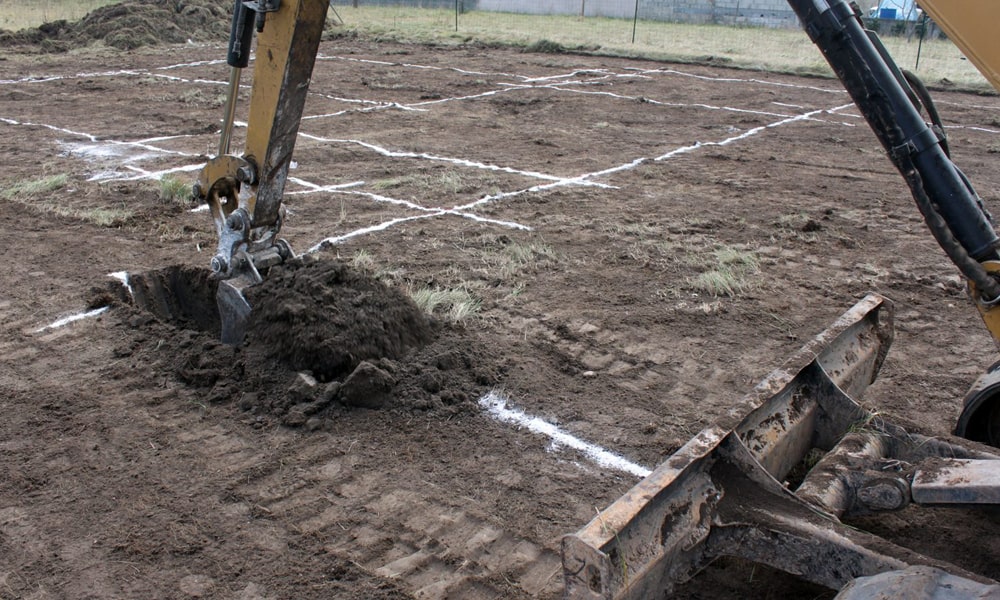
(751,486)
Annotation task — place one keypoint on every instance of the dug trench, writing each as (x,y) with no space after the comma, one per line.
(322,338)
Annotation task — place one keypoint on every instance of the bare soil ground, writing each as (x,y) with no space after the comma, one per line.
(577,198)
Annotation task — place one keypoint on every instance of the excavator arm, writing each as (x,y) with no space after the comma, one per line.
(890,102)
(244,192)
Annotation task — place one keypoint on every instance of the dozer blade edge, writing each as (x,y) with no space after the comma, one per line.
(724,492)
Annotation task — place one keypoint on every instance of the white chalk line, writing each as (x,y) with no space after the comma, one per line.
(436,158)
(123,277)
(586,176)
(715,79)
(437,211)
(603,72)
(72,319)
(460,210)
(496,405)
(973,128)
(332,241)
(324,57)
(700,105)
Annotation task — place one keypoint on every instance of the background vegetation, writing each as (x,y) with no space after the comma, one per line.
(784,50)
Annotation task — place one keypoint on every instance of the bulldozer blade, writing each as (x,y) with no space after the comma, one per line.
(234,310)
(725,493)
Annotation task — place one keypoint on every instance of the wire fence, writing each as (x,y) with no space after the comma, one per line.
(759,34)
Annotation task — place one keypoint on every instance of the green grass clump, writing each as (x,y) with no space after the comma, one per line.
(455,305)
(174,189)
(732,272)
(34,187)
(34,194)
(102,217)
(32,13)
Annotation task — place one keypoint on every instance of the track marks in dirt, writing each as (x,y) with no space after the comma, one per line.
(436,549)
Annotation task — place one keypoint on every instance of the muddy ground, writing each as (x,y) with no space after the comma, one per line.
(575,199)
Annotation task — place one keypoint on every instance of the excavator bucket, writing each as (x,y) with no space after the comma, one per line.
(234,311)
(740,488)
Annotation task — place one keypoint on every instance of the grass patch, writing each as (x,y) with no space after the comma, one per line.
(454,305)
(783,50)
(33,195)
(451,181)
(102,217)
(732,272)
(32,13)
(516,258)
(363,261)
(174,189)
(545,47)
(35,187)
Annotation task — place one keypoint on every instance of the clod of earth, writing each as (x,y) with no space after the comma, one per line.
(322,317)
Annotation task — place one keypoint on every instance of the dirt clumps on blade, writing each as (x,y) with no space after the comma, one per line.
(129,25)
(323,317)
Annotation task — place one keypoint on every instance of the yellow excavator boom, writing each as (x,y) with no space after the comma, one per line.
(972,26)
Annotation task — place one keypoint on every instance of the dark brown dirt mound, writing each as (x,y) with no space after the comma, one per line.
(322,317)
(322,339)
(131,24)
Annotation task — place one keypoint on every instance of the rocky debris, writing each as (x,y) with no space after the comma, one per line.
(368,387)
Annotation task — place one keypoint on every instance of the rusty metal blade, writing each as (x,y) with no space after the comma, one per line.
(721,493)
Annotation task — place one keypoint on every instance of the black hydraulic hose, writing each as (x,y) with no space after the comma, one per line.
(951,208)
(971,269)
(928,103)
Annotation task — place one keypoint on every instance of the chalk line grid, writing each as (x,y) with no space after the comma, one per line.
(574,82)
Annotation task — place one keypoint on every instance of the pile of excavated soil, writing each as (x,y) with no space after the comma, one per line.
(129,25)
(326,318)
(322,338)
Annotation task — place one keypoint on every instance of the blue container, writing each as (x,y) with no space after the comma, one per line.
(887,13)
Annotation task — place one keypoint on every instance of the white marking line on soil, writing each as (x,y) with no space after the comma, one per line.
(123,277)
(72,318)
(496,405)
(43,79)
(455,161)
(972,127)
(413,66)
(342,189)
(331,241)
(512,87)
(741,80)
(199,63)
(381,106)
(144,174)
(186,80)
(314,187)
(671,104)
